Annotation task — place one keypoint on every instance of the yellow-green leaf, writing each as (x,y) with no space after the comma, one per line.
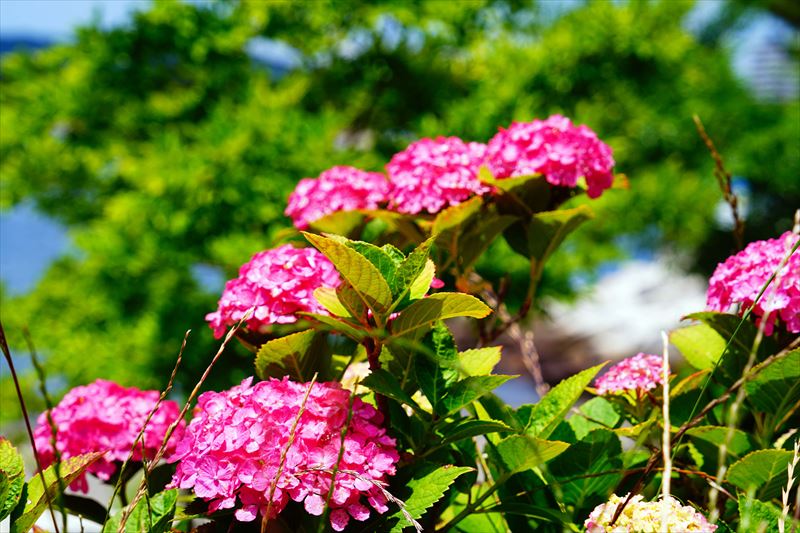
(440,306)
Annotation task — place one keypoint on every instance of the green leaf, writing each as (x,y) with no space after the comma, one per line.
(464,392)
(735,359)
(578,469)
(520,195)
(386,384)
(427,488)
(357,270)
(412,268)
(327,298)
(12,477)
(700,345)
(523,452)
(477,237)
(708,439)
(440,306)
(764,470)
(553,408)
(548,230)
(540,514)
(597,413)
(455,216)
(776,388)
(156,518)
(464,429)
(479,361)
(383,259)
(23,517)
(755,515)
(336,325)
(296,355)
(434,368)
(338,222)
(422,283)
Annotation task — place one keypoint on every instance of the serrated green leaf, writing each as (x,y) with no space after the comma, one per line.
(426,490)
(477,237)
(699,344)
(357,270)
(464,429)
(23,517)
(763,470)
(553,408)
(434,367)
(755,515)
(12,477)
(464,392)
(336,325)
(382,259)
(382,382)
(296,355)
(776,388)
(440,306)
(327,298)
(155,518)
(541,514)
(479,361)
(352,302)
(523,452)
(578,470)
(708,439)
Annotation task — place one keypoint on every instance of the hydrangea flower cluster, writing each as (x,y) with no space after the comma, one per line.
(278,283)
(431,175)
(635,374)
(337,189)
(105,417)
(645,517)
(233,447)
(555,148)
(739,279)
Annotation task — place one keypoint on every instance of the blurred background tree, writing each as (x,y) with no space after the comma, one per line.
(169,145)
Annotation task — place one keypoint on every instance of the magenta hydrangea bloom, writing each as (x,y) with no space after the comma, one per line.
(431,175)
(233,446)
(637,374)
(337,189)
(739,279)
(105,417)
(554,148)
(279,283)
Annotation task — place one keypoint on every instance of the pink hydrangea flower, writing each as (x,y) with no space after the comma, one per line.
(279,283)
(337,189)
(105,417)
(645,517)
(739,279)
(232,450)
(431,175)
(639,373)
(555,148)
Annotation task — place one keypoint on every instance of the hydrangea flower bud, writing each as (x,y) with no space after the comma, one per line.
(645,517)
(232,449)
(635,374)
(432,174)
(278,283)
(739,279)
(337,189)
(105,417)
(554,148)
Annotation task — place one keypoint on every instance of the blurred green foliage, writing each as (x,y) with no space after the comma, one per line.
(163,146)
